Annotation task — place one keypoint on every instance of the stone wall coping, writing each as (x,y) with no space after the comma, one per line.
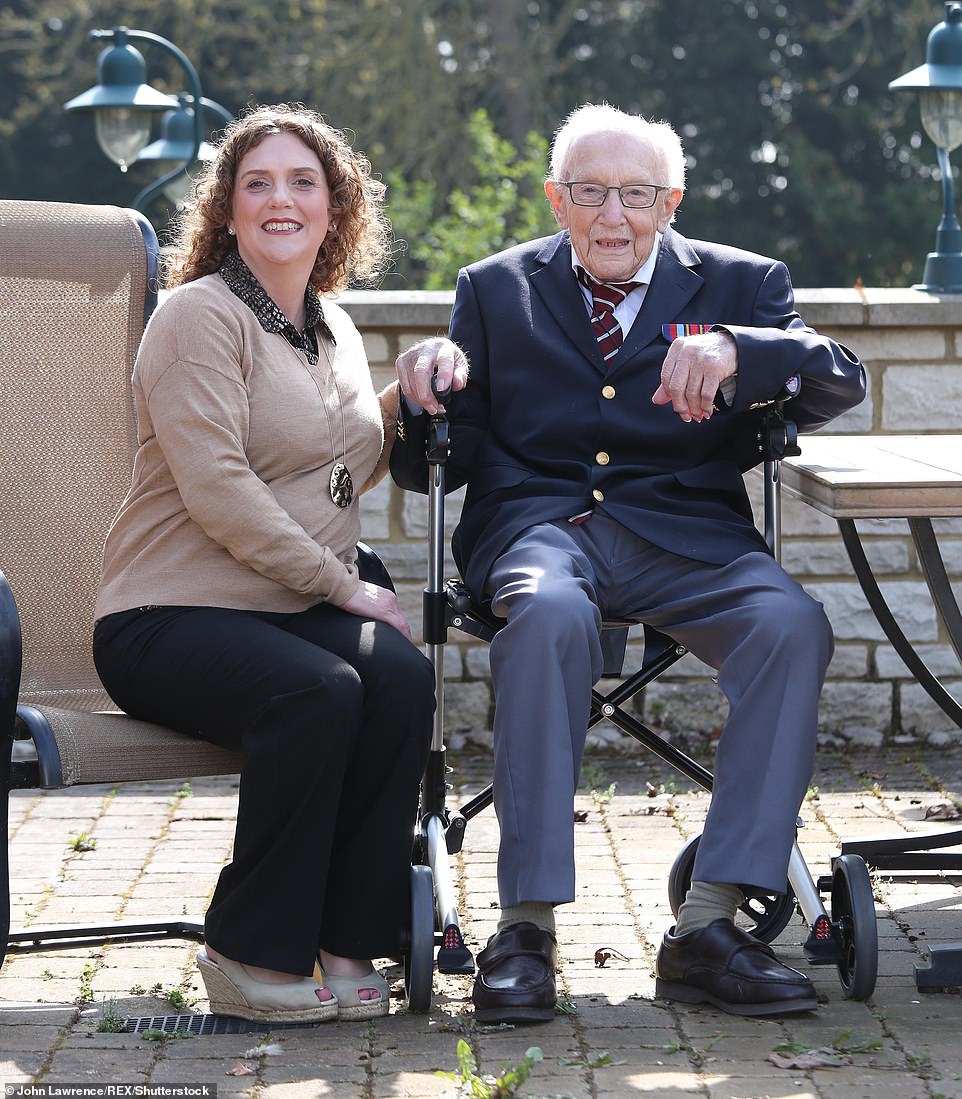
(399,308)
(822,307)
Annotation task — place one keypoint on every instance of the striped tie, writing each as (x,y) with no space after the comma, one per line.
(605,296)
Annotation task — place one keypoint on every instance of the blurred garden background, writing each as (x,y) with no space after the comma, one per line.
(796,148)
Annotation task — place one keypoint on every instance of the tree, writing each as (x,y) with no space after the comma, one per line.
(504,205)
(819,173)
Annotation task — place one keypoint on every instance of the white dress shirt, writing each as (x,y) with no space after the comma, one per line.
(626,312)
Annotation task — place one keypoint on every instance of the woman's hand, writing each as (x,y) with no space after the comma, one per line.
(437,361)
(370,601)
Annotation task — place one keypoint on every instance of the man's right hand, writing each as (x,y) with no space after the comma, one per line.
(437,361)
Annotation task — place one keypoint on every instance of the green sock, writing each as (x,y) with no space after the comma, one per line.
(705,902)
(540,913)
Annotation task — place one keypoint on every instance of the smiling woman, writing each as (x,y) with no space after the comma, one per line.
(281,216)
(231,606)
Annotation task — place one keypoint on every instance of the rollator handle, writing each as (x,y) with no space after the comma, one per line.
(782,439)
(443,395)
(438,441)
(778,438)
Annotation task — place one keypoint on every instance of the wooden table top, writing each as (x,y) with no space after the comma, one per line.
(878,476)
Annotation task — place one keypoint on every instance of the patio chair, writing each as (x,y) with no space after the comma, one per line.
(77,284)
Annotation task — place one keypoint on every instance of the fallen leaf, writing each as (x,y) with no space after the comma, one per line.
(944,810)
(242,1068)
(605,953)
(581,815)
(812,1058)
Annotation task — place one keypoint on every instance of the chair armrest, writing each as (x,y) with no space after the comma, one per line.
(11,658)
(42,767)
(371,568)
(152,249)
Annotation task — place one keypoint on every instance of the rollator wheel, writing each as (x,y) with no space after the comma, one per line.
(853,915)
(419,957)
(764,918)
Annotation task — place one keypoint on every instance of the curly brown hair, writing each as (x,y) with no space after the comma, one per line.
(359,246)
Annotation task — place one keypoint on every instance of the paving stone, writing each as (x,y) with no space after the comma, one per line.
(154,859)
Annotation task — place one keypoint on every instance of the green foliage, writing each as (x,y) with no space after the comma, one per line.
(600,797)
(177,999)
(473,1085)
(179,795)
(592,775)
(503,204)
(155,1034)
(87,975)
(111,1021)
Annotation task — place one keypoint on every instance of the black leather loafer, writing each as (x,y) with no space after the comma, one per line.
(725,966)
(516,976)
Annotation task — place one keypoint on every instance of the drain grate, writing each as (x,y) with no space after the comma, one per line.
(199,1025)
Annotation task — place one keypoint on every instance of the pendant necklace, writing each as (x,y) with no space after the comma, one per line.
(341,486)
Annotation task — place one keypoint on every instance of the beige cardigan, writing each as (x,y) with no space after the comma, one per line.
(229,504)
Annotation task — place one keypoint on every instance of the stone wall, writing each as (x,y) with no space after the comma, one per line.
(911,345)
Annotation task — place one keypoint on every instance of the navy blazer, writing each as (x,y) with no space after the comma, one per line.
(543,430)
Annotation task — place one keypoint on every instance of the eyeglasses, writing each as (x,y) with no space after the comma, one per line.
(636,196)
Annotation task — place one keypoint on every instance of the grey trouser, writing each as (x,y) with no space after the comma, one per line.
(769,641)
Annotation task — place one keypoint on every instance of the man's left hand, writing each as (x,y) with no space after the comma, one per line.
(693,369)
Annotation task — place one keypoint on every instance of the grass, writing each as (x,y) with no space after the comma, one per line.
(111,1021)
(593,776)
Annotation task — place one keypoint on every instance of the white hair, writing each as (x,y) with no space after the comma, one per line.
(594,118)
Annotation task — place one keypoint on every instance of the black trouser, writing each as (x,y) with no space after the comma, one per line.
(333,715)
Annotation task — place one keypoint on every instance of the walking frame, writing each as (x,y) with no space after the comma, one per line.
(844,936)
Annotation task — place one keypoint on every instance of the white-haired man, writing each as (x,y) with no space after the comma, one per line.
(616,371)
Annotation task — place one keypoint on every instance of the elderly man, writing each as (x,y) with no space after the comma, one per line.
(616,372)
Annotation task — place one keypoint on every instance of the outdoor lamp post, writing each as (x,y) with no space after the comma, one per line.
(121,100)
(939,84)
(122,104)
(175,148)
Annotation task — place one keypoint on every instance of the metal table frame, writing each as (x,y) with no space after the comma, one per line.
(924,481)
